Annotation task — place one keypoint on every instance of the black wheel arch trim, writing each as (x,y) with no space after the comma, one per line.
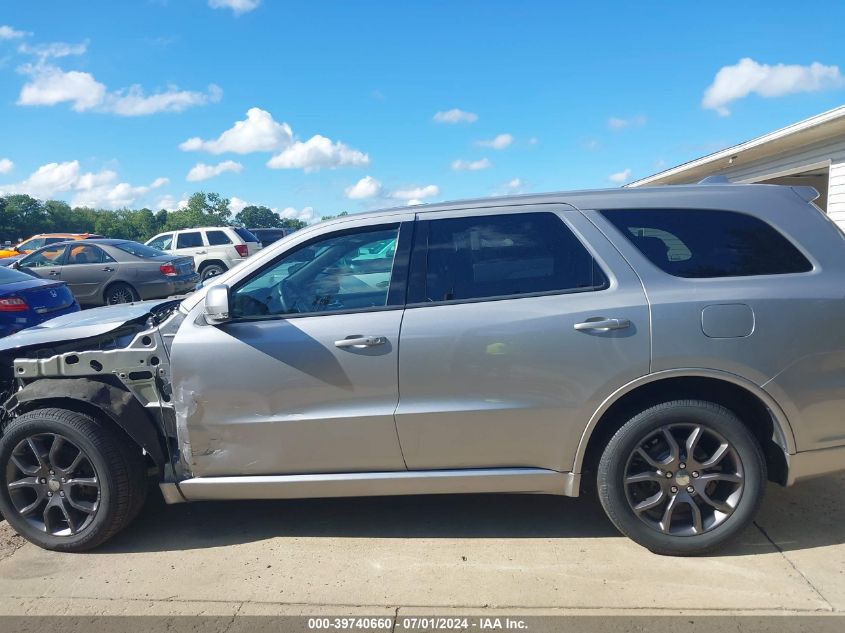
(784,435)
(117,404)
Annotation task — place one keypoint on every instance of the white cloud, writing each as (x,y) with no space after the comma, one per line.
(238,6)
(201,171)
(618,123)
(54,49)
(49,85)
(471,165)
(415,194)
(317,153)
(367,187)
(306,214)
(236,205)
(257,133)
(748,76)
(514,185)
(133,101)
(455,116)
(591,144)
(501,141)
(8,33)
(620,176)
(94,189)
(6,165)
(170,203)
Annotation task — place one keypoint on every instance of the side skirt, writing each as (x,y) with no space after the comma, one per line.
(525,480)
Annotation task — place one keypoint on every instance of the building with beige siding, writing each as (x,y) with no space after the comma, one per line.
(810,152)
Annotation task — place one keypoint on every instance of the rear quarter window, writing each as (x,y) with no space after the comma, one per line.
(217,238)
(245,235)
(699,244)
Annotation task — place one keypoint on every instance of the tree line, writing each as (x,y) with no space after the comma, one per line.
(22,215)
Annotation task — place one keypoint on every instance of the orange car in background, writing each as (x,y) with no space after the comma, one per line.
(37,241)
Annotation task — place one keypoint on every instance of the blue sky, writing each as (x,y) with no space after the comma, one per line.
(116,103)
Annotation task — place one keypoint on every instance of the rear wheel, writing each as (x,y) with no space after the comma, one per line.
(211,270)
(682,478)
(120,292)
(68,483)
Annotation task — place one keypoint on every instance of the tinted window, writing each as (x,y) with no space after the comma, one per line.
(49,256)
(340,272)
(216,238)
(54,240)
(696,243)
(139,250)
(86,254)
(268,236)
(162,242)
(503,255)
(189,240)
(245,235)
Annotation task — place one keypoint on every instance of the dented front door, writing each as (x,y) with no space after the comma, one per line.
(304,377)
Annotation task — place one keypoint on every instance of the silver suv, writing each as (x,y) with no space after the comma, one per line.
(677,347)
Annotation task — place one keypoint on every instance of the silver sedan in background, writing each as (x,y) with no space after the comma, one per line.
(110,271)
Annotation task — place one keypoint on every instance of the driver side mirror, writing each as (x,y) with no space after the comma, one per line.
(216,307)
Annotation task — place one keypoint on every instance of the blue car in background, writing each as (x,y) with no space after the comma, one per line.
(26,300)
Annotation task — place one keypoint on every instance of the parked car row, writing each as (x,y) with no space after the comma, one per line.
(55,273)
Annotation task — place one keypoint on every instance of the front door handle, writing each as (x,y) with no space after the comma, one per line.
(361,342)
(603,324)
(55,273)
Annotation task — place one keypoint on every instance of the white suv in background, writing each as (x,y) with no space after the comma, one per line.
(215,249)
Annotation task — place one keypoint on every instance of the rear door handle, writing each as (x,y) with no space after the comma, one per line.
(603,324)
(361,341)
(108,269)
(55,273)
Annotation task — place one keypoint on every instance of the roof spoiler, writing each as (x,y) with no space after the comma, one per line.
(715,180)
(806,192)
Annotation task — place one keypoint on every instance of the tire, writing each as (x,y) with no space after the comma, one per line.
(641,474)
(211,270)
(119,292)
(101,493)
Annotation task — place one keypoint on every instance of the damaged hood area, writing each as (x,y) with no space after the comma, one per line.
(87,324)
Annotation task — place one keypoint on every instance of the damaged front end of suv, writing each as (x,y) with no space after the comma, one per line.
(111,366)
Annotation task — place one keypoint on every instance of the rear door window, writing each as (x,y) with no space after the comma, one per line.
(217,238)
(698,244)
(86,254)
(191,239)
(480,257)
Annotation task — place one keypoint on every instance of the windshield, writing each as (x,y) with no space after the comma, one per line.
(139,250)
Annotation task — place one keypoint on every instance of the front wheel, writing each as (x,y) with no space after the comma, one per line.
(682,478)
(67,482)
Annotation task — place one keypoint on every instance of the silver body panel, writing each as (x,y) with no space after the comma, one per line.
(504,394)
